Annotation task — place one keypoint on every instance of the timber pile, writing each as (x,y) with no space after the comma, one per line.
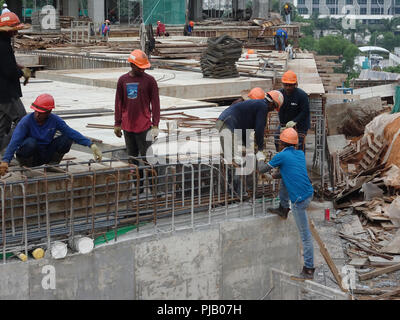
(325,66)
(180,50)
(42,42)
(65,21)
(220,57)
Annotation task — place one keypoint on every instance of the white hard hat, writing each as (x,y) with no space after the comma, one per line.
(5,5)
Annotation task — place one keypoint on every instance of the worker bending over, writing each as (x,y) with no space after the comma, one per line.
(249,114)
(295,111)
(280,38)
(297,188)
(34,142)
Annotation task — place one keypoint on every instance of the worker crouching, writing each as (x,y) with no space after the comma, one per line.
(297,189)
(33,140)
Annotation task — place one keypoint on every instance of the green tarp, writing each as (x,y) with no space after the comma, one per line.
(396,107)
(166,11)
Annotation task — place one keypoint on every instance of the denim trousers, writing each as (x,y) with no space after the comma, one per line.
(279,43)
(300,216)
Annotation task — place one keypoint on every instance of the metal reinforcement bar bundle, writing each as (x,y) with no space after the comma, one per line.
(218,61)
(39,207)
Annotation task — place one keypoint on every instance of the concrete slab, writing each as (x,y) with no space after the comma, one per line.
(180,84)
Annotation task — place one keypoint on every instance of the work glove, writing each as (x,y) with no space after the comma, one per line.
(239,160)
(96,152)
(262,166)
(3,168)
(260,156)
(154,132)
(26,74)
(290,124)
(268,177)
(118,132)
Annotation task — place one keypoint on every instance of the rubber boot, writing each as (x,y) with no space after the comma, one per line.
(26,162)
(305,274)
(56,158)
(281,212)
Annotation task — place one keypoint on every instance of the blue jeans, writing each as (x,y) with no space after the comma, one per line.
(300,216)
(279,43)
(32,154)
(287,18)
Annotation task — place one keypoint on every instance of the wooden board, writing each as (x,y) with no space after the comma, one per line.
(378,272)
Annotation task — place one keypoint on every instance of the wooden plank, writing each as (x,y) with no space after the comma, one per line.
(326,255)
(381,262)
(378,272)
(359,262)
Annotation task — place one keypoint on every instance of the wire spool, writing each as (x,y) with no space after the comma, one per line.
(58,250)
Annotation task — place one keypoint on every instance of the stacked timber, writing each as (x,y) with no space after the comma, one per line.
(188,50)
(220,58)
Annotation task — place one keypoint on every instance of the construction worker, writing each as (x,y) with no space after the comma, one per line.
(34,142)
(297,188)
(105,29)
(5,9)
(255,93)
(188,28)
(280,38)
(11,107)
(287,10)
(137,107)
(160,29)
(249,114)
(295,111)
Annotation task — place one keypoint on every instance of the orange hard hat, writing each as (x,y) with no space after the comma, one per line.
(289,77)
(9,21)
(256,93)
(250,51)
(43,103)
(290,136)
(276,97)
(139,58)
(191,23)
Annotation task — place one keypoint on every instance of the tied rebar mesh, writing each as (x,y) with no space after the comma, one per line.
(86,198)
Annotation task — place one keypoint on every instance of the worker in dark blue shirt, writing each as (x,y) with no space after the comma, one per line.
(295,111)
(245,116)
(296,187)
(33,138)
(280,38)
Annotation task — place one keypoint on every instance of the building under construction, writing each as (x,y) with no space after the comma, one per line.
(187,227)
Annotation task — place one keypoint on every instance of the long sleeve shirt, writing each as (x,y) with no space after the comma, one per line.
(10,88)
(132,103)
(296,107)
(249,114)
(44,134)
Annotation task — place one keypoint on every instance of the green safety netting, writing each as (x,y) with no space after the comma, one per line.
(396,107)
(166,11)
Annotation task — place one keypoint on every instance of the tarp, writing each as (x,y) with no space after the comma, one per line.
(372,48)
(166,11)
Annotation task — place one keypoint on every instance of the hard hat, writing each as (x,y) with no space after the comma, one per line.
(250,51)
(9,21)
(290,136)
(158,22)
(289,77)
(139,58)
(191,23)
(256,93)
(276,97)
(286,6)
(5,5)
(43,103)
(107,21)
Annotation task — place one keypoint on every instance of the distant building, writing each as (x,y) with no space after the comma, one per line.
(368,11)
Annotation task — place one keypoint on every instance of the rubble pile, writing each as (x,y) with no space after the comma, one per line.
(42,42)
(218,61)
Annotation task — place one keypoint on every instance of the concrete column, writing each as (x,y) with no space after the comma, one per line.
(260,9)
(96,10)
(71,8)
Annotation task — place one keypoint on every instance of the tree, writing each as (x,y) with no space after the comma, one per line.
(349,54)
(308,43)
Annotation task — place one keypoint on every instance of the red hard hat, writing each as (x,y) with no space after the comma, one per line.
(290,136)
(139,58)
(9,21)
(43,103)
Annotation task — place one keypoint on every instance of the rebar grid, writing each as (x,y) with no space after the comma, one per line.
(86,198)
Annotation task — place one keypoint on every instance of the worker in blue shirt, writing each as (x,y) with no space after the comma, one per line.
(248,115)
(296,187)
(33,138)
(280,38)
(295,111)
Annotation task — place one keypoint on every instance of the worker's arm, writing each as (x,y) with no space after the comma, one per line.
(18,136)
(71,133)
(261,122)
(119,101)
(8,66)
(155,103)
(275,162)
(305,110)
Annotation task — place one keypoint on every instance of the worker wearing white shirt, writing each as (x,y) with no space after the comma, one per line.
(5,9)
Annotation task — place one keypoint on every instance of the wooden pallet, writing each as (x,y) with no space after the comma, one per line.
(371,156)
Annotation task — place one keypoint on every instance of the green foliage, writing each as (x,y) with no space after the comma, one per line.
(308,43)
(351,75)
(386,40)
(275,6)
(395,69)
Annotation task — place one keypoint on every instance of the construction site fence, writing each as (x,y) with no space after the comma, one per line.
(92,199)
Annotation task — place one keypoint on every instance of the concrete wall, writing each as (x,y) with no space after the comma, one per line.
(96,11)
(227,260)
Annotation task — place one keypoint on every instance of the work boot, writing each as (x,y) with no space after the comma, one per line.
(305,274)
(56,158)
(281,212)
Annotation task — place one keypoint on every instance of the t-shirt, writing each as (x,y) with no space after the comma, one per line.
(44,134)
(292,167)
(133,98)
(281,33)
(295,108)
(249,114)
